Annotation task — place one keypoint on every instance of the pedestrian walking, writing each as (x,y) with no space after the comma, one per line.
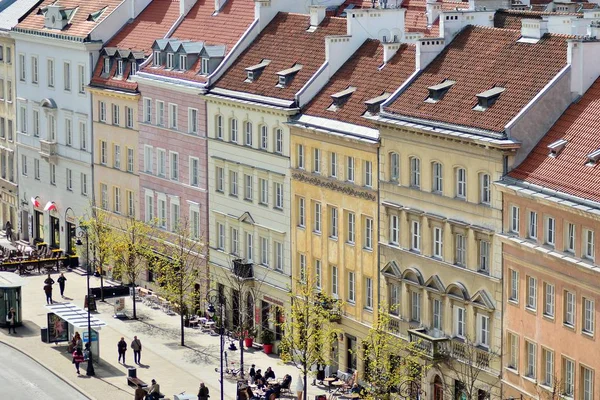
(122,347)
(48,289)
(61,284)
(203,392)
(10,320)
(77,359)
(136,346)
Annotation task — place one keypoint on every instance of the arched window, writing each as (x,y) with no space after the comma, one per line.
(485,188)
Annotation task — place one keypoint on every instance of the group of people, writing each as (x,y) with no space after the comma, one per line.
(263,385)
(79,354)
(48,282)
(136,346)
(152,393)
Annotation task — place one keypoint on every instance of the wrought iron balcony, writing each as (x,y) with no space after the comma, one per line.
(242,269)
(432,343)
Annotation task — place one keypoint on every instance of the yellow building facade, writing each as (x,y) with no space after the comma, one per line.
(334,227)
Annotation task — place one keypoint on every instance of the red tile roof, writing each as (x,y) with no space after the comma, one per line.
(79,25)
(416,15)
(477,60)
(363,72)
(511,19)
(201,25)
(285,41)
(152,23)
(567,172)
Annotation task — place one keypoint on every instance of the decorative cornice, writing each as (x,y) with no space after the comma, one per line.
(332,184)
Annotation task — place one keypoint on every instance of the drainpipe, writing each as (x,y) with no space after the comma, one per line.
(378,230)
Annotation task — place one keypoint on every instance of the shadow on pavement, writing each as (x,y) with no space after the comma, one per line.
(28,329)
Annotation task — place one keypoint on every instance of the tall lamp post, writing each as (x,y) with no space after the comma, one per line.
(214,298)
(81,234)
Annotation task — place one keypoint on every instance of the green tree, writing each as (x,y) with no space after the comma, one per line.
(132,249)
(102,238)
(308,330)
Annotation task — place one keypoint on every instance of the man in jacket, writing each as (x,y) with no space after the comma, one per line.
(136,346)
(122,348)
(154,390)
(61,284)
(203,392)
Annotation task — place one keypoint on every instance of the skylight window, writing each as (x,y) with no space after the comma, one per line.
(437,92)
(254,71)
(556,147)
(340,98)
(592,158)
(487,99)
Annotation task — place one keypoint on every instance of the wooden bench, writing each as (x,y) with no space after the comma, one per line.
(135,382)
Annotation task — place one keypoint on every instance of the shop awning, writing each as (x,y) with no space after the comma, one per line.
(76,316)
(10,280)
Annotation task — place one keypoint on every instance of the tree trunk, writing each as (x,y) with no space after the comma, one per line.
(101,285)
(241,355)
(304,393)
(134,307)
(181,310)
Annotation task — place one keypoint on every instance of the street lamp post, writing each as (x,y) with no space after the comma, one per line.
(84,233)
(214,297)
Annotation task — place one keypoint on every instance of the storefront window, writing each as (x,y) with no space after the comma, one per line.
(55,232)
(39,226)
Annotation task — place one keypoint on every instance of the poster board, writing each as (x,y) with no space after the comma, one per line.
(58,329)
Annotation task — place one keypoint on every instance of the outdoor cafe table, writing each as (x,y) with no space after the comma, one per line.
(329,381)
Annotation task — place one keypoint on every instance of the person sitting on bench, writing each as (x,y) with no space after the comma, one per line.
(153,391)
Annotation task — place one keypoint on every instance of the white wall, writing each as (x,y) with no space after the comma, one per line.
(451,23)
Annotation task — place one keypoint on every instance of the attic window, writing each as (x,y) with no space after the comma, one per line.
(374,103)
(170,57)
(556,147)
(183,62)
(286,76)
(106,68)
(205,66)
(120,68)
(134,68)
(96,15)
(487,99)
(156,59)
(254,71)
(340,98)
(593,158)
(437,92)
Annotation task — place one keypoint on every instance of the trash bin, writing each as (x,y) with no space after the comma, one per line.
(44,334)
(132,372)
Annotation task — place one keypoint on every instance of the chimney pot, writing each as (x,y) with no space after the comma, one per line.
(317,14)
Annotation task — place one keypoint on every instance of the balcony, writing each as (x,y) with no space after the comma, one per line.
(433,343)
(49,150)
(470,353)
(333,306)
(243,270)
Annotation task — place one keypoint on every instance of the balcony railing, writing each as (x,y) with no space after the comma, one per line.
(433,346)
(243,270)
(470,353)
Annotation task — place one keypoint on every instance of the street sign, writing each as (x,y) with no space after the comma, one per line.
(94,336)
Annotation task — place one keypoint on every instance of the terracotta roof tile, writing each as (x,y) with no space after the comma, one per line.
(363,72)
(567,172)
(202,25)
(510,19)
(478,59)
(415,19)
(285,41)
(79,25)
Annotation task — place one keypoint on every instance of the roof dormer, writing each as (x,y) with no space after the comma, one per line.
(437,92)
(57,17)
(95,16)
(592,158)
(286,76)
(373,105)
(340,98)
(556,147)
(487,99)
(253,72)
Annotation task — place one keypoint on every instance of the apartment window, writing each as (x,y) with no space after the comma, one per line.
(394,229)
(278,255)
(36,168)
(415,309)
(50,72)
(415,234)
(570,242)
(23,118)
(333,165)
(394,167)
(220,179)
(318,274)
(264,251)
(369,293)
(461,250)
(334,281)
(148,159)
(233,130)
(195,228)
(130,203)
(24,165)
(219,127)
(589,251)
(84,181)
(81,77)
(69,179)
(264,137)
(484,256)
(351,288)
(162,212)
(116,114)
(9,91)
(279,196)
(174,166)
(333,222)
(569,317)
(368,233)
(437,314)
(317,218)
(248,133)
(437,180)
(415,172)
(514,285)
(548,364)
(134,68)
(160,113)
(460,319)
(175,217)
(103,152)
(83,135)
(350,169)
(531,359)
(102,111)
(1,88)
(8,55)
(278,141)
(513,348)
(437,242)
(117,156)
(233,183)
(531,293)
(248,186)
(394,299)
(548,300)
(484,331)
(301,212)
(588,315)
(147,110)
(568,377)
(249,247)
(263,185)
(36,123)
(550,231)
(129,160)
(104,196)
(205,66)
(300,154)
(52,128)
(22,68)
(34,70)
(235,241)
(193,121)
(67,76)
(514,219)
(149,207)
(170,63)
(220,236)
(317,161)
(173,116)
(69,131)
(195,173)
(117,200)
(533,222)
(182,62)
(2,128)
(485,195)
(351,227)
(106,66)
(587,383)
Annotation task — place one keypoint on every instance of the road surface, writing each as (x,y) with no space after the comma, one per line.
(22,378)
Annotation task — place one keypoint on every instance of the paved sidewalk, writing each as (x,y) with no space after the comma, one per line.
(176,368)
